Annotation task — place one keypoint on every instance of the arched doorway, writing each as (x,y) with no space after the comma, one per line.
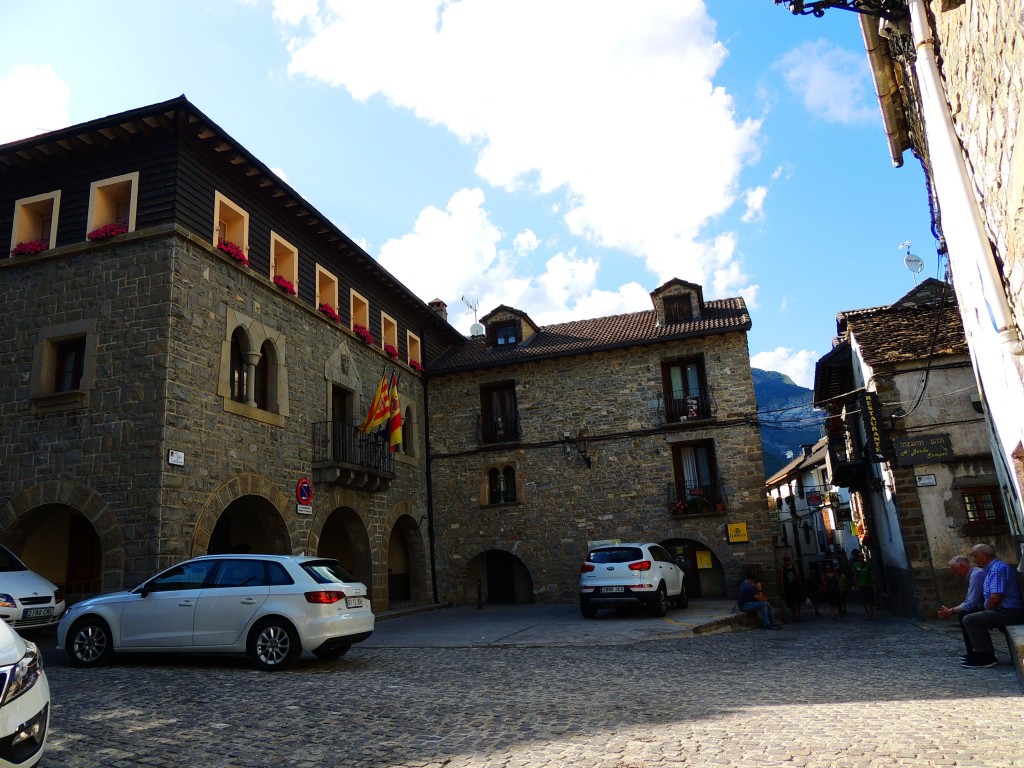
(405,563)
(705,576)
(344,538)
(249,524)
(60,543)
(497,576)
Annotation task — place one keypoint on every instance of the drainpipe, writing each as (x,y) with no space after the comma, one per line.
(961,218)
(430,487)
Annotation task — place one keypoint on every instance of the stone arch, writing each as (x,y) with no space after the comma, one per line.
(720,580)
(16,522)
(497,575)
(402,522)
(245,484)
(343,535)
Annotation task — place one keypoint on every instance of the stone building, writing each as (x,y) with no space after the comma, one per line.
(907,438)
(631,427)
(185,340)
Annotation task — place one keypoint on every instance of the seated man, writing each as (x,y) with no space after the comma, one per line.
(750,602)
(1003,605)
(961,566)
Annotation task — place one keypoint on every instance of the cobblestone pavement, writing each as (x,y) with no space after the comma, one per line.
(849,694)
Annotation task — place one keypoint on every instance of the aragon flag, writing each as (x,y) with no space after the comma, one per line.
(380,407)
(395,420)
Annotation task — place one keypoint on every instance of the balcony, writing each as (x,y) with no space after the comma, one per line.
(500,429)
(696,499)
(344,456)
(685,408)
(846,468)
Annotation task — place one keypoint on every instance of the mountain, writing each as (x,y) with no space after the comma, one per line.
(787,418)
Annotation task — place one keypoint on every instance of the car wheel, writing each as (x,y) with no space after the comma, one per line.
(90,643)
(274,644)
(335,652)
(660,604)
(683,601)
(589,611)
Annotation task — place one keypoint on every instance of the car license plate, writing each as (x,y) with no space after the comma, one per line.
(353,602)
(31,613)
(611,589)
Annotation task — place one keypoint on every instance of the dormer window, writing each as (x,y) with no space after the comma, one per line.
(505,335)
(678,309)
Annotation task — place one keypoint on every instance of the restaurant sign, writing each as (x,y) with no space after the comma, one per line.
(922,449)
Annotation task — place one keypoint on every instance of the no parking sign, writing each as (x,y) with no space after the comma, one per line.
(304,491)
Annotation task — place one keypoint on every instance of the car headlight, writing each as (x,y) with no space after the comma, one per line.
(23,675)
(7,601)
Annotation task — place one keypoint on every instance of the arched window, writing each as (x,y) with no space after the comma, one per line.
(264,377)
(237,376)
(494,482)
(501,485)
(509,490)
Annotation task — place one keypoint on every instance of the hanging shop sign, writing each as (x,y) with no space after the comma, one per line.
(737,533)
(871,417)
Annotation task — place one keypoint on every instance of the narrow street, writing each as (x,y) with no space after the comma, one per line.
(847,693)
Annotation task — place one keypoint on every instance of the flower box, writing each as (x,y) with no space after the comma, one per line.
(107,231)
(416,365)
(363,333)
(328,310)
(234,252)
(285,285)
(30,248)
(391,350)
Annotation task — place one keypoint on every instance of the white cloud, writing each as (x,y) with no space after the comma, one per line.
(797,364)
(526,242)
(833,83)
(613,113)
(755,204)
(35,101)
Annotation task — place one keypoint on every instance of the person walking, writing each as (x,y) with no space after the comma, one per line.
(1003,605)
(864,577)
(973,602)
(792,587)
(832,590)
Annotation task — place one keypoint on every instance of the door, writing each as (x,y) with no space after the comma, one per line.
(160,614)
(228,602)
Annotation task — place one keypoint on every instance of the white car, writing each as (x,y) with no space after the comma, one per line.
(24,701)
(615,575)
(272,607)
(27,600)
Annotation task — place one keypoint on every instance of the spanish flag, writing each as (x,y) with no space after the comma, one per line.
(395,420)
(379,408)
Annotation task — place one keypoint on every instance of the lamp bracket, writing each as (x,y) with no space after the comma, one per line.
(893,10)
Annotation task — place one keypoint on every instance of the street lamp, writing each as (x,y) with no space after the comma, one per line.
(893,10)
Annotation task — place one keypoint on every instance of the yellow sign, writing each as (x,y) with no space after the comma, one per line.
(737,532)
(704,558)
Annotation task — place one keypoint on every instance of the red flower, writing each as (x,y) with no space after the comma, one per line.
(30,248)
(328,310)
(416,365)
(234,252)
(391,350)
(107,230)
(363,333)
(285,285)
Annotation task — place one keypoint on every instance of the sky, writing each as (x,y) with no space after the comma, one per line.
(563,157)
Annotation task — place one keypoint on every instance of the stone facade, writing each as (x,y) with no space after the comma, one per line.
(614,398)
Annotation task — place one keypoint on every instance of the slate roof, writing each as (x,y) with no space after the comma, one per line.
(602,333)
(801,463)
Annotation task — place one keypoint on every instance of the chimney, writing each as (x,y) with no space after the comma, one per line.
(440,308)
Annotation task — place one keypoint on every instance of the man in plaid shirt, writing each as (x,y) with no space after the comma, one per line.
(1003,606)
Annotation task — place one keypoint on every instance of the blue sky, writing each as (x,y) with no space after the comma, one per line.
(564,157)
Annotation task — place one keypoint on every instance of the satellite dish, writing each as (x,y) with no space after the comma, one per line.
(914,263)
(476,329)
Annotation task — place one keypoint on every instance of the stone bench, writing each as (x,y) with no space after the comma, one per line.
(1015,642)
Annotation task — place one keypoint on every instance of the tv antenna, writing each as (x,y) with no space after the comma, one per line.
(476,329)
(912,262)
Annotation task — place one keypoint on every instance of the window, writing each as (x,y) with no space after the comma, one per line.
(63,366)
(35,220)
(501,485)
(253,377)
(230,223)
(678,309)
(388,331)
(982,504)
(686,396)
(326,288)
(696,476)
(284,261)
(239,345)
(498,413)
(262,386)
(412,346)
(359,310)
(113,201)
(504,334)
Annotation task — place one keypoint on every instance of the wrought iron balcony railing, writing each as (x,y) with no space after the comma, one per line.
(344,455)
(680,408)
(502,428)
(696,499)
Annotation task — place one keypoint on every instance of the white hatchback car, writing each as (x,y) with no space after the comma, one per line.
(27,600)
(615,575)
(24,701)
(272,607)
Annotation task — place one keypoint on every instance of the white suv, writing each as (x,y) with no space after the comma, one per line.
(631,574)
(272,607)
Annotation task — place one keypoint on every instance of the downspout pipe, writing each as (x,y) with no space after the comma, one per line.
(962,225)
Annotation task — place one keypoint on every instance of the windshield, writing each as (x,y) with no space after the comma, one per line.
(327,572)
(8,562)
(615,555)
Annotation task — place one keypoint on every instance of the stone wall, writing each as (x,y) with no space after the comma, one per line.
(561,505)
